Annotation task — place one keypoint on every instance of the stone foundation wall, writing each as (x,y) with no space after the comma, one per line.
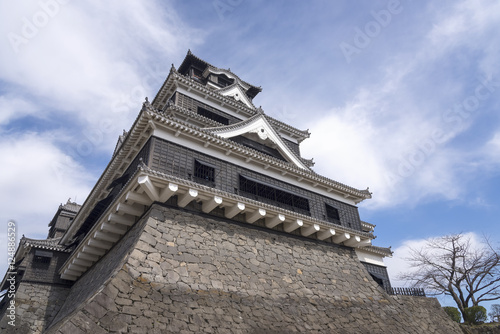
(481,329)
(191,273)
(36,306)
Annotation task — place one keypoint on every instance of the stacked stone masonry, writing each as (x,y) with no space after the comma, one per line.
(182,272)
(37,304)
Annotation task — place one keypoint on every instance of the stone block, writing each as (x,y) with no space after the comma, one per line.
(96,309)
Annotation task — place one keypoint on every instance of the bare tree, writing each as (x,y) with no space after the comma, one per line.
(453,266)
(495,313)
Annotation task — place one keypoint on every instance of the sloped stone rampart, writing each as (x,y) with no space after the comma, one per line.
(36,305)
(481,329)
(190,273)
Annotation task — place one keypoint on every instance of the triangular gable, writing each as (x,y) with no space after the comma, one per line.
(238,94)
(259,125)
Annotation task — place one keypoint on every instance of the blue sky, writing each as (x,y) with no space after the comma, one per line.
(400,96)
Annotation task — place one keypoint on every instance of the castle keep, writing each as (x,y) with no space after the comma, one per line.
(208,219)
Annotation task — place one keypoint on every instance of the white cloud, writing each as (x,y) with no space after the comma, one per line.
(493,146)
(468,24)
(85,68)
(398,264)
(36,177)
(14,108)
(93,61)
(396,135)
(396,153)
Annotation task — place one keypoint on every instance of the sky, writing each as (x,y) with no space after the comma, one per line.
(399,96)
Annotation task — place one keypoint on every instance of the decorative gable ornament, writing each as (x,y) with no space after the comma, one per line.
(235,91)
(260,126)
(261,132)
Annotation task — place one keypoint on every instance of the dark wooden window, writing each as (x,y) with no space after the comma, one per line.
(204,173)
(274,195)
(224,81)
(213,116)
(258,147)
(377,279)
(332,214)
(196,73)
(41,259)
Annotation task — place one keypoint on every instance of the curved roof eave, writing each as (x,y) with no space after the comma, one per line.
(174,78)
(213,138)
(258,124)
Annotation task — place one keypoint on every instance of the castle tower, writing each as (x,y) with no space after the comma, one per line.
(208,219)
(202,144)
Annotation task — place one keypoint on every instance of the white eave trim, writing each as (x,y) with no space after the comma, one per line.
(148,186)
(168,125)
(364,255)
(237,93)
(177,82)
(264,130)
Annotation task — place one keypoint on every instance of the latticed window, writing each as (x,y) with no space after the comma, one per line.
(42,256)
(213,116)
(274,195)
(204,173)
(224,81)
(332,214)
(258,147)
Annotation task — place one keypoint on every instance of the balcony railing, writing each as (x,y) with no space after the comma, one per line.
(415,292)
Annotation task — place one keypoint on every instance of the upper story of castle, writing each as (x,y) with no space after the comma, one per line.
(202,145)
(216,105)
(218,101)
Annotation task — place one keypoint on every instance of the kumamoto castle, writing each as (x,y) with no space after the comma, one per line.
(207,219)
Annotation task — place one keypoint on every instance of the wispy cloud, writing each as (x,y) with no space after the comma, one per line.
(73,75)
(399,264)
(35,176)
(94,61)
(396,135)
(14,108)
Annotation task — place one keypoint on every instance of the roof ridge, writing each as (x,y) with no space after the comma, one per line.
(287,151)
(191,54)
(365,194)
(50,244)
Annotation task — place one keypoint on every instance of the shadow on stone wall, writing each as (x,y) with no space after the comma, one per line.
(481,329)
(182,272)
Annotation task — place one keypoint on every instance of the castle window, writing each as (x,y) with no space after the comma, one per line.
(224,81)
(332,214)
(378,279)
(258,147)
(204,173)
(272,195)
(42,257)
(196,73)
(213,116)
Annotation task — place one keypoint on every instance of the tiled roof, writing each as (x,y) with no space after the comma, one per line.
(242,124)
(233,126)
(174,75)
(367,225)
(386,251)
(214,68)
(192,115)
(70,206)
(232,86)
(213,138)
(49,244)
(171,178)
